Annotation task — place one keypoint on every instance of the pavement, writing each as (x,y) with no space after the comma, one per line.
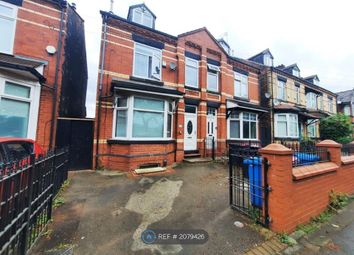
(106,213)
(334,238)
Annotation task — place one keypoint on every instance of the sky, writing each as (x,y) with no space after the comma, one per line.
(317,35)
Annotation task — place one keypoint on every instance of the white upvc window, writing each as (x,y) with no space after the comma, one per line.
(241,85)
(311,100)
(297,95)
(243,126)
(320,102)
(8,14)
(141,118)
(346,110)
(192,73)
(147,62)
(312,129)
(296,72)
(143,17)
(286,125)
(330,104)
(281,90)
(19,103)
(267,59)
(213,78)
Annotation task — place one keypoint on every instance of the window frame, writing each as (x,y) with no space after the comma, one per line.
(288,122)
(241,120)
(197,69)
(152,49)
(142,14)
(297,94)
(241,84)
(284,90)
(14,19)
(330,105)
(346,107)
(214,71)
(130,119)
(311,100)
(314,126)
(267,59)
(33,100)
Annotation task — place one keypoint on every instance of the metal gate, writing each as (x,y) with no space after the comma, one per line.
(249,188)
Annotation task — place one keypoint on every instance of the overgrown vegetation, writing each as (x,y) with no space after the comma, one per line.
(337,127)
(59,200)
(286,239)
(338,200)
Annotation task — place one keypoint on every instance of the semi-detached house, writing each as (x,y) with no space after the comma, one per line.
(162,98)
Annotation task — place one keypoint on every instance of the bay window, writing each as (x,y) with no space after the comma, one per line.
(286,125)
(213,78)
(243,125)
(147,62)
(241,85)
(311,100)
(192,73)
(140,118)
(18,109)
(8,13)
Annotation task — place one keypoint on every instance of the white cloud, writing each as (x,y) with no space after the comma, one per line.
(317,35)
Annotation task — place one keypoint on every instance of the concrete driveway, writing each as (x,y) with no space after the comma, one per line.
(106,214)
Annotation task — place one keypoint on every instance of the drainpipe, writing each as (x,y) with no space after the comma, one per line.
(103,51)
(272,106)
(57,68)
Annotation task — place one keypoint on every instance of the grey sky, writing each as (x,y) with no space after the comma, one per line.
(317,35)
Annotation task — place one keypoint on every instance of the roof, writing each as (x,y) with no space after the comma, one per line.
(221,40)
(311,77)
(346,96)
(138,6)
(291,67)
(23,65)
(266,51)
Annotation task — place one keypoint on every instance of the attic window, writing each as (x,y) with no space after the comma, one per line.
(143,17)
(267,60)
(316,81)
(296,72)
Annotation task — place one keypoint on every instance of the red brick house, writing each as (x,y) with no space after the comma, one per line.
(35,67)
(162,98)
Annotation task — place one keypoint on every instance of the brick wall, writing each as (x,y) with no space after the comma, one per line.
(303,192)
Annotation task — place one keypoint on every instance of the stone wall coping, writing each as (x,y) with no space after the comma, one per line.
(329,144)
(347,160)
(303,172)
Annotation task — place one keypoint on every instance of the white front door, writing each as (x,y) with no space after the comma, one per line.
(190,128)
(212,123)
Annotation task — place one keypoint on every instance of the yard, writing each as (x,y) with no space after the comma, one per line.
(104,214)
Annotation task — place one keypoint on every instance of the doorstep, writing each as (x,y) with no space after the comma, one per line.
(149,170)
(197,160)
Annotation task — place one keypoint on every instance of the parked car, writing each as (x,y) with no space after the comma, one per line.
(16,149)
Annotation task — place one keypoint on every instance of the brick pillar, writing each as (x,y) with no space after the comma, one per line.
(280,180)
(180,131)
(334,149)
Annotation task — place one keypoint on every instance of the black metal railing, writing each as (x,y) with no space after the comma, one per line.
(246,144)
(307,153)
(27,188)
(348,149)
(209,145)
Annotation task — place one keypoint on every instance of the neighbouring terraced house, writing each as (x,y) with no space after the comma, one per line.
(162,98)
(42,77)
(345,103)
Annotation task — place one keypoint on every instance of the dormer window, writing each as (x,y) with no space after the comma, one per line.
(296,72)
(316,82)
(267,60)
(141,14)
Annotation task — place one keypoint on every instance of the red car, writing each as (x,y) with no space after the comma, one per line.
(15,149)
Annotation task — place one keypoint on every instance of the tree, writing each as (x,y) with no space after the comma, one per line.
(337,127)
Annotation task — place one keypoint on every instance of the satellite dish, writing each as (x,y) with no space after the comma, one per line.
(267,95)
(51,49)
(276,102)
(173,66)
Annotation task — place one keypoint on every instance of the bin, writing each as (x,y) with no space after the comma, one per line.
(255,180)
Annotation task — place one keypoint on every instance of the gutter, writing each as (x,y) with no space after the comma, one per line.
(57,68)
(103,51)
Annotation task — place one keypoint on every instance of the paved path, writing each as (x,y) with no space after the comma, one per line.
(106,214)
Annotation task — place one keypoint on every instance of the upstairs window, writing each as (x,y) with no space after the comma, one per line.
(316,81)
(267,60)
(143,17)
(147,62)
(281,90)
(213,78)
(297,94)
(346,110)
(8,15)
(311,100)
(296,72)
(330,104)
(241,85)
(192,73)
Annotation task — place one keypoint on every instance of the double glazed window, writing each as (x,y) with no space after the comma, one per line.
(15,103)
(147,62)
(311,100)
(312,129)
(143,17)
(281,90)
(213,78)
(142,118)
(346,110)
(286,125)
(241,85)
(243,125)
(330,104)
(192,73)
(297,94)
(8,15)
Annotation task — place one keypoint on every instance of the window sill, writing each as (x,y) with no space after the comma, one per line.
(303,172)
(242,98)
(151,81)
(192,88)
(120,141)
(213,92)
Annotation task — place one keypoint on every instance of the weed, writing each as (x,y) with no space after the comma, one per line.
(338,200)
(58,201)
(286,239)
